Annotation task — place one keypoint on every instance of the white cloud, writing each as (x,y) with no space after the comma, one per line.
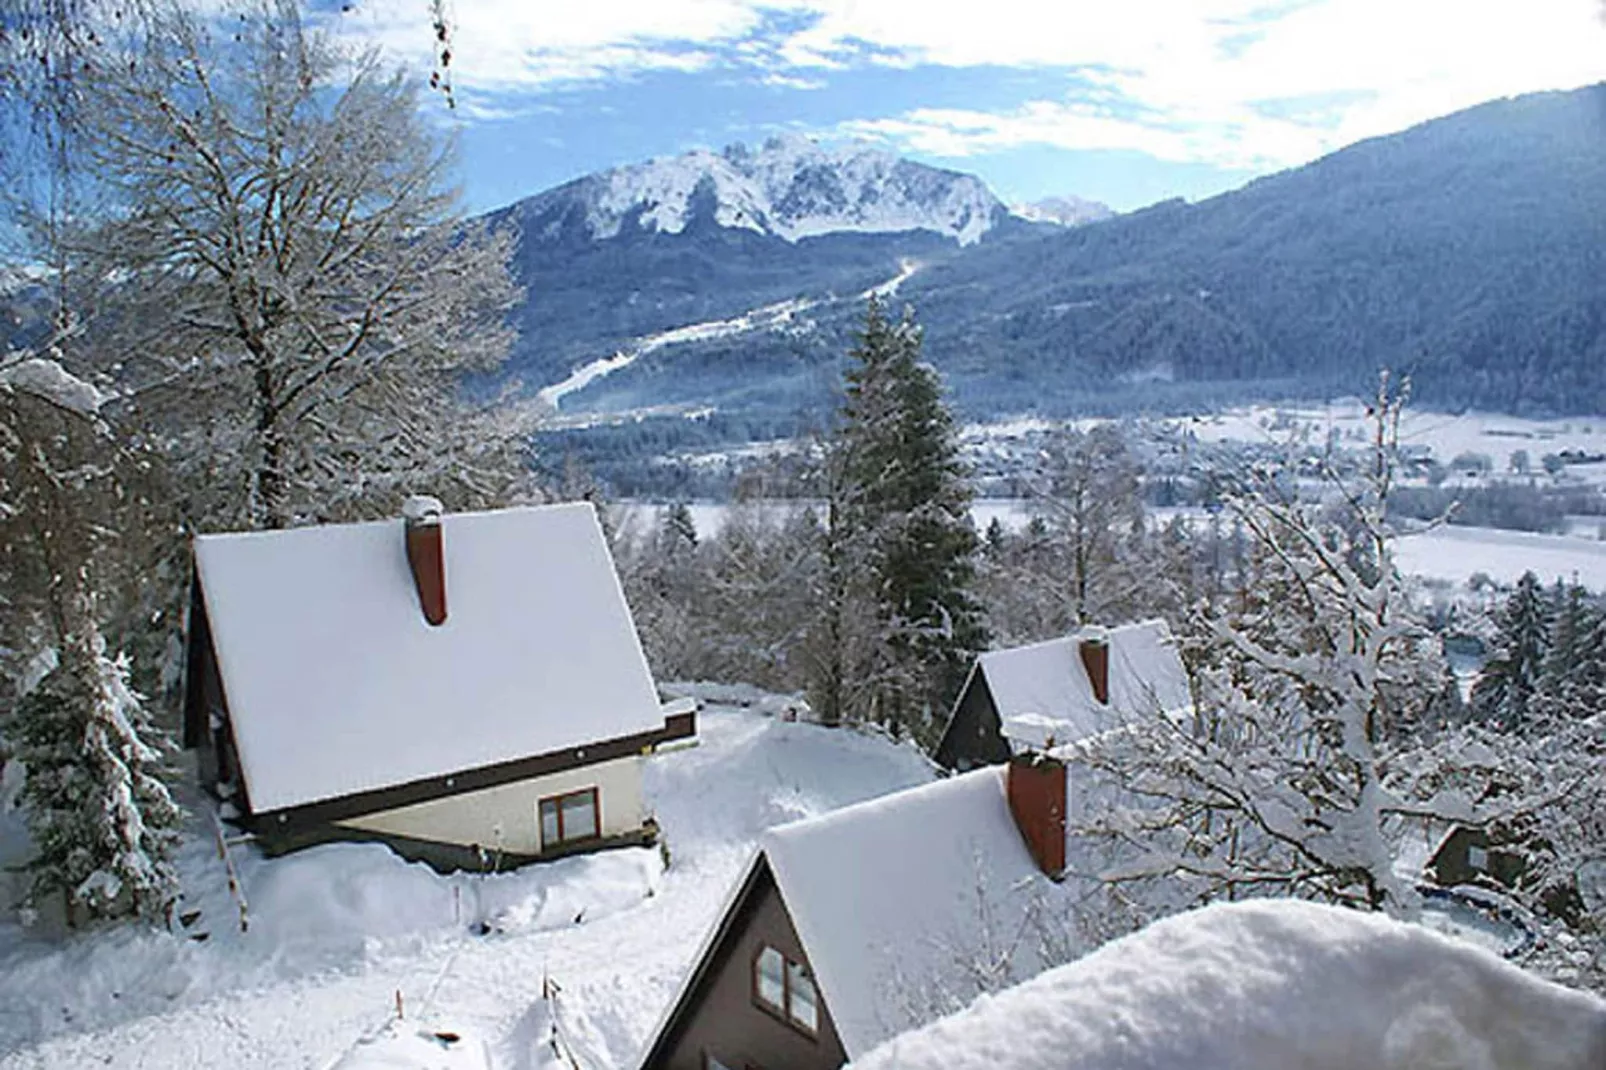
(509,45)
(1376,66)
(1186,79)
(791,81)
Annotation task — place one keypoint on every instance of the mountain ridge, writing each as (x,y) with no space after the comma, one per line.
(1468,252)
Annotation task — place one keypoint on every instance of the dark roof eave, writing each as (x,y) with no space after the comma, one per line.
(345,807)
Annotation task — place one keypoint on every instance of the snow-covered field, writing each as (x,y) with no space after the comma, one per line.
(1446,435)
(336,932)
(1458,553)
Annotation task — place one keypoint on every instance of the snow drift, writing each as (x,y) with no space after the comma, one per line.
(1267,985)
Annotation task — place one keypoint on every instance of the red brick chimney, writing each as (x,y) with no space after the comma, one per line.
(426,554)
(1095,650)
(1035,784)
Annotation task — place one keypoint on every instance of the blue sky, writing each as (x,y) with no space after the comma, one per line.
(1125,101)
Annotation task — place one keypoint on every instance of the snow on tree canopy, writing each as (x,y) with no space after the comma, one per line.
(910,905)
(47,379)
(1044,696)
(1267,985)
(337,684)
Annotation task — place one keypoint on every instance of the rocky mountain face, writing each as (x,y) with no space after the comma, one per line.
(789,188)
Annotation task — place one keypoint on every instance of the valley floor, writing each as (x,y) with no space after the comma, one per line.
(337,932)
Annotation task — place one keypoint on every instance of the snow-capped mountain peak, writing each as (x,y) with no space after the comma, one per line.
(1070,211)
(790,187)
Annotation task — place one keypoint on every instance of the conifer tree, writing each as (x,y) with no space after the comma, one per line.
(1572,678)
(1569,626)
(1511,675)
(906,520)
(103,824)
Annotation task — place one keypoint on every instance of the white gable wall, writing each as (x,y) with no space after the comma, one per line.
(336,684)
(506,817)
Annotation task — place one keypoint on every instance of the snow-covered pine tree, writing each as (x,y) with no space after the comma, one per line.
(1510,676)
(1571,664)
(905,515)
(103,824)
(71,510)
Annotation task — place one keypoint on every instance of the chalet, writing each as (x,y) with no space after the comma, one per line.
(1466,856)
(1063,690)
(849,928)
(467,688)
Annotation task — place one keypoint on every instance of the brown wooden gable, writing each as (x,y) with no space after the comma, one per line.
(716,1014)
(202,686)
(975,734)
(212,738)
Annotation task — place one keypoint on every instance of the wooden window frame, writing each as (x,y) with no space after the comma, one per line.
(784,1013)
(557,806)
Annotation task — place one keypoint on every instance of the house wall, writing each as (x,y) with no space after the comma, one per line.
(721,1018)
(1453,863)
(975,736)
(507,818)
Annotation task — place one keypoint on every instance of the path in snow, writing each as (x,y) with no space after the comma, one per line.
(767,318)
(770,317)
(906,268)
(271,1001)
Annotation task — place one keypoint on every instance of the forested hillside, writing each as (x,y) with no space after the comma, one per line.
(1466,251)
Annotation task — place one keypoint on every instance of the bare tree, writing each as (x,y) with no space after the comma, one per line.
(284,276)
(1291,780)
(1087,491)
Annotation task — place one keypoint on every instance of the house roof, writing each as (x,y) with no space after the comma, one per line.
(337,685)
(1044,696)
(901,900)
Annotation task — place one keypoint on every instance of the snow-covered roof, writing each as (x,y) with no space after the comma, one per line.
(336,684)
(1264,985)
(1044,696)
(899,901)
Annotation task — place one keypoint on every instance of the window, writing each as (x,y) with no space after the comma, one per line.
(786,989)
(565,818)
(1478,859)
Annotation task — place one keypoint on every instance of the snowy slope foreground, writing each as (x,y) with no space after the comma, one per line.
(337,931)
(790,188)
(1268,985)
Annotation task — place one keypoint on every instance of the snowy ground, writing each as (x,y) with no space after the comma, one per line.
(338,931)
(1458,553)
